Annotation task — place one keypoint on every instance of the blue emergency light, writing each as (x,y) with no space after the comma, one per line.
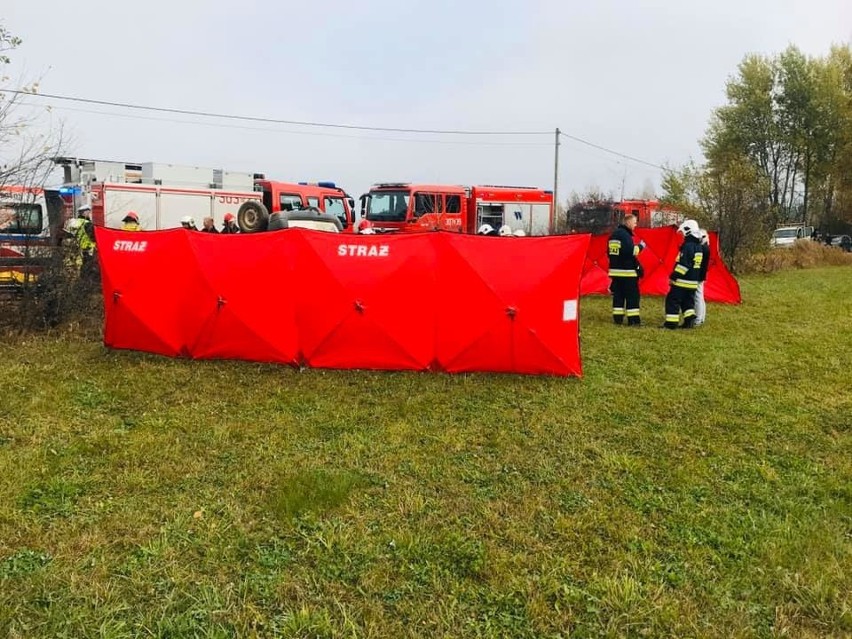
(325,185)
(70,190)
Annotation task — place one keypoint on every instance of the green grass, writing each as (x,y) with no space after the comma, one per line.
(692,484)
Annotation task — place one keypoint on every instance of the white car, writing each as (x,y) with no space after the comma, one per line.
(787,235)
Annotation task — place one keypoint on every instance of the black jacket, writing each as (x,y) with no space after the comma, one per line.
(688,265)
(705,262)
(623,253)
(228,230)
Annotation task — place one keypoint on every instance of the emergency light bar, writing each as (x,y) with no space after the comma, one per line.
(325,185)
(70,190)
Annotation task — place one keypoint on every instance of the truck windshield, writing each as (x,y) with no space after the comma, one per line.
(387,206)
(785,233)
(23,219)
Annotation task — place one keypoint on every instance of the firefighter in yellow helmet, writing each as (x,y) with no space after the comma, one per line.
(130,222)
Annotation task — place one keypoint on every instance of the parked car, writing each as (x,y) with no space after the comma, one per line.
(843,242)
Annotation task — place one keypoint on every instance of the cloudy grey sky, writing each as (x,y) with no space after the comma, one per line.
(638,77)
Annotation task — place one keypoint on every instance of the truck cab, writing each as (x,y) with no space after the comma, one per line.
(410,208)
(285,197)
(31,223)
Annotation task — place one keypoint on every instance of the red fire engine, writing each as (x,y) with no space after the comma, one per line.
(30,223)
(601,217)
(161,194)
(408,208)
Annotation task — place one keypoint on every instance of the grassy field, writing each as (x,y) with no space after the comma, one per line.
(692,484)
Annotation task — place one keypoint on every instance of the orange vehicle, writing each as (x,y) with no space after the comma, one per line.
(410,208)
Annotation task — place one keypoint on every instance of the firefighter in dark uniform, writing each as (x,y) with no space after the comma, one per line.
(230,226)
(700,304)
(625,271)
(684,278)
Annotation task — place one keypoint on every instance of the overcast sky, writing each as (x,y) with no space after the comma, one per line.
(638,77)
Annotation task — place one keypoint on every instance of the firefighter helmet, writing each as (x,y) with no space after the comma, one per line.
(689,227)
(229,217)
(505,231)
(131,217)
(485,229)
(705,237)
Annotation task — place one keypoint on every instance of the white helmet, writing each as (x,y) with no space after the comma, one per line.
(187,219)
(705,238)
(689,227)
(485,229)
(505,231)
(519,233)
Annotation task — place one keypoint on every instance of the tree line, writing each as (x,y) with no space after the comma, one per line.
(779,151)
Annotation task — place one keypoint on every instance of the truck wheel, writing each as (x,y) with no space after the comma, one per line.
(252,217)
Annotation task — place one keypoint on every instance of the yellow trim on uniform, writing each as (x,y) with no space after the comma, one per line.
(680,269)
(632,312)
(689,313)
(672,318)
(688,284)
(622,272)
(618,311)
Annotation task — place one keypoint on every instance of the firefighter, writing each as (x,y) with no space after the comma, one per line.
(230,226)
(208,225)
(684,278)
(365,227)
(700,305)
(130,222)
(84,234)
(486,229)
(188,223)
(625,271)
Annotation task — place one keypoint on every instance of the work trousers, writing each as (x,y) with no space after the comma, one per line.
(625,300)
(680,300)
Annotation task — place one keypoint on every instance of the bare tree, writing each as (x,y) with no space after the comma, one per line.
(30,139)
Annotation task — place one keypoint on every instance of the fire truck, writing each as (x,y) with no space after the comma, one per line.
(161,194)
(30,225)
(603,217)
(410,208)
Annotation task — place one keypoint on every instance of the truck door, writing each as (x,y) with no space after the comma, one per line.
(336,206)
(452,219)
(425,212)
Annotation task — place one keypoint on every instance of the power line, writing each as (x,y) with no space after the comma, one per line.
(289,131)
(603,148)
(247,118)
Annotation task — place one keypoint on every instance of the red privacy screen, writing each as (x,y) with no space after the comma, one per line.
(437,301)
(657,261)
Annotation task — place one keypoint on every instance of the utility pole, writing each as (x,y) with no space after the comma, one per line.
(554,220)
